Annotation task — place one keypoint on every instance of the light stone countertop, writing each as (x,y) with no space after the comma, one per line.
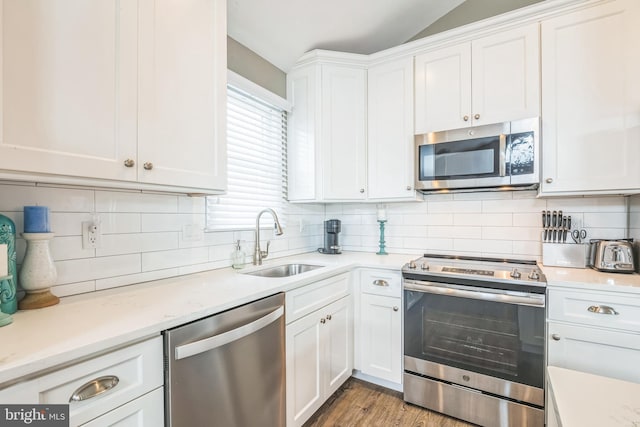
(590,279)
(85,325)
(583,400)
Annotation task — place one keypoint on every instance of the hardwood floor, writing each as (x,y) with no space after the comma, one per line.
(358,403)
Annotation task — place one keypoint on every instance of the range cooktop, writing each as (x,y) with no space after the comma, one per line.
(474,270)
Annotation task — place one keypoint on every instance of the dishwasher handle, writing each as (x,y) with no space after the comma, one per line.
(191,349)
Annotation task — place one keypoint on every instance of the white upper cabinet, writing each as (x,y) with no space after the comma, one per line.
(489,80)
(327,132)
(120,94)
(343,132)
(591,100)
(390,153)
(68,87)
(182,94)
(443,89)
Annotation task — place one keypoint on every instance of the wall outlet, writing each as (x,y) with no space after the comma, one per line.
(192,233)
(91,233)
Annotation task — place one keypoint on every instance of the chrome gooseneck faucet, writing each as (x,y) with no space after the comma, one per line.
(259,255)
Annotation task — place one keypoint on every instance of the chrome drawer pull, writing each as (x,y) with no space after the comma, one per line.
(94,388)
(602,309)
(555,337)
(380,282)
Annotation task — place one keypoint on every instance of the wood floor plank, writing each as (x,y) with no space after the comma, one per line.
(361,404)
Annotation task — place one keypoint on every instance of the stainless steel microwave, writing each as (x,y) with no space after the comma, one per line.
(497,156)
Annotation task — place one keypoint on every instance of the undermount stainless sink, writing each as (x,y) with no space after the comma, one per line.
(284,270)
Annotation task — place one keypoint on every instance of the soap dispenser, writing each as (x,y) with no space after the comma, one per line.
(238,257)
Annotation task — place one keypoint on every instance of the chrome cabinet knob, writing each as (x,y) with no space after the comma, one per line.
(408,188)
(477,116)
(395,308)
(362,190)
(555,337)
(465,118)
(549,180)
(129,163)
(323,320)
(148,166)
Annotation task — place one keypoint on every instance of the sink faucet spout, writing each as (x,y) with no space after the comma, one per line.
(258,254)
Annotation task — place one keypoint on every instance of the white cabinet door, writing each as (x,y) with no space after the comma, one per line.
(443,89)
(506,76)
(390,146)
(338,344)
(304,354)
(343,133)
(591,100)
(145,411)
(594,350)
(489,80)
(319,348)
(381,337)
(68,87)
(182,93)
(302,87)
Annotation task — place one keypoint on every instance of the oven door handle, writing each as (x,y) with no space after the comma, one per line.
(519,298)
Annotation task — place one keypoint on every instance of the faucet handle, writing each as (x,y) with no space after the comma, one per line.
(264,254)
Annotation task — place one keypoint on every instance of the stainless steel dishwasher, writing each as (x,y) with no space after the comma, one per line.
(228,369)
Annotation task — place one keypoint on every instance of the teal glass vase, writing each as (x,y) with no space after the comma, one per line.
(9,286)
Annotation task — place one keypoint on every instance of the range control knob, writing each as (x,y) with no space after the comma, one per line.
(424,266)
(534,275)
(412,264)
(515,274)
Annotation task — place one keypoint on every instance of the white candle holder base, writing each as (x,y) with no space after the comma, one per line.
(38,273)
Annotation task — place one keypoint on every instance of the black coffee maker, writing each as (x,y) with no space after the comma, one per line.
(331,244)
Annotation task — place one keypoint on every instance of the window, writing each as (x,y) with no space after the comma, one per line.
(257,159)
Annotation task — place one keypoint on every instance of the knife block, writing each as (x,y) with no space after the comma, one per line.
(572,255)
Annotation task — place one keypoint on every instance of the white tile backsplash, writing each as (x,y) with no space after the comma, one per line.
(143,233)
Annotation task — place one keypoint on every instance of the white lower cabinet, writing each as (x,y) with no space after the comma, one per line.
(594,332)
(380,326)
(319,352)
(145,411)
(119,388)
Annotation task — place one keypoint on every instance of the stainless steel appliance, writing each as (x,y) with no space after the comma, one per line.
(474,339)
(499,156)
(228,369)
(332,228)
(615,256)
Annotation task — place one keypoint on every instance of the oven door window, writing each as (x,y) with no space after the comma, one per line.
(475,158)
(497,339)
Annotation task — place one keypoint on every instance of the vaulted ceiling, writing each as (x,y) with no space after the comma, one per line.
(282,30)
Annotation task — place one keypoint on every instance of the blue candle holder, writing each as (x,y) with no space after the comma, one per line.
(381,251)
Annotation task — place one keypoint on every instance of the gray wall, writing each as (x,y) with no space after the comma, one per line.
(250,65)
(471,11)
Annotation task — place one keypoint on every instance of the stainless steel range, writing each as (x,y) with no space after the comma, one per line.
(474,338)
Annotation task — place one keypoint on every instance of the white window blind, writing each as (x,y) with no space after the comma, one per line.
(257,164)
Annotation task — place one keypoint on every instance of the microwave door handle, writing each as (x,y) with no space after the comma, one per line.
(503,154)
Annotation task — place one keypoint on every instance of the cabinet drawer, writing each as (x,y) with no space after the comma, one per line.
(381,282)
(139,369)
(145,411)
(581,307)
(302,301)
(596,351)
